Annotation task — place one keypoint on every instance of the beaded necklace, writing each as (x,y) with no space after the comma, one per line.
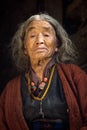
(33,90)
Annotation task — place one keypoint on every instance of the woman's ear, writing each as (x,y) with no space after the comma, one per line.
(25,51)
(56,49)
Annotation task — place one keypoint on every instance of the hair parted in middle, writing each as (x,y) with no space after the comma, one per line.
(66,51)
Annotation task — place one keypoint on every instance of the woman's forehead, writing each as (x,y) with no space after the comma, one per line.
(40,24)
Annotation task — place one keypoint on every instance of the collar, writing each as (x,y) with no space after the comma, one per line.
(46,72)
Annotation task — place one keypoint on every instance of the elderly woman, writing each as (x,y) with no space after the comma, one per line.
(51,92)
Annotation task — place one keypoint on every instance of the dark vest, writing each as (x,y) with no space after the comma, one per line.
(54,104)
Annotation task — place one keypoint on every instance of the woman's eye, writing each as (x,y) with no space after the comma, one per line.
(46,35)
(32,36)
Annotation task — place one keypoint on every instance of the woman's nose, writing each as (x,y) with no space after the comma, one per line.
(40,39)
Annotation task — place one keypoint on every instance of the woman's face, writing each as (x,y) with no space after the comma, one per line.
(40,42)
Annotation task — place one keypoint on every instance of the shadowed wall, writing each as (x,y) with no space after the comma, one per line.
(70,13)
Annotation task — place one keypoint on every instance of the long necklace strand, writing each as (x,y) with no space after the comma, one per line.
(40,99)
(41,110)
(47,88)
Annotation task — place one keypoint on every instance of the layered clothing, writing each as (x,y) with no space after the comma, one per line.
(74,82)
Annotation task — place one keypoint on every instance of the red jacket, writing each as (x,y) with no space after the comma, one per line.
(74,82)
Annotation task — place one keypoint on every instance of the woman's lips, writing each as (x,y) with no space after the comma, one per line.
(40,49)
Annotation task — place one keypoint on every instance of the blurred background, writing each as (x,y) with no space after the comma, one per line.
(72,14)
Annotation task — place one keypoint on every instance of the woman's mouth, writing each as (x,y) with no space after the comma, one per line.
(40,49)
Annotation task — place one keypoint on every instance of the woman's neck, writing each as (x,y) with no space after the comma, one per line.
(39,67)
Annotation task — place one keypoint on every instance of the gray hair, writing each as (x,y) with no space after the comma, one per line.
(66,52)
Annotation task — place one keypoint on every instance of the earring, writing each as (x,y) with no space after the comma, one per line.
(25,52)
(56,49)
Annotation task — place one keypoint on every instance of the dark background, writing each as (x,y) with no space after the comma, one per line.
(72,14)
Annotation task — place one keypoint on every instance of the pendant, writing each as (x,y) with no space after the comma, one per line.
(41,111)
(42,85)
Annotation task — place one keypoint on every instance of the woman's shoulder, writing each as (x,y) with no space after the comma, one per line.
(12,85)
(14,80)
(71,71)
(71,68)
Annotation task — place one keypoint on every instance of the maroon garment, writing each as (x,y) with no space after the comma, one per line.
(74,82)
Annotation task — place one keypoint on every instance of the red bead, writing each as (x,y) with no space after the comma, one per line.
(32,83)
(34,89)
(45,79)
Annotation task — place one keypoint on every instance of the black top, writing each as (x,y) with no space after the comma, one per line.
(54,104)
